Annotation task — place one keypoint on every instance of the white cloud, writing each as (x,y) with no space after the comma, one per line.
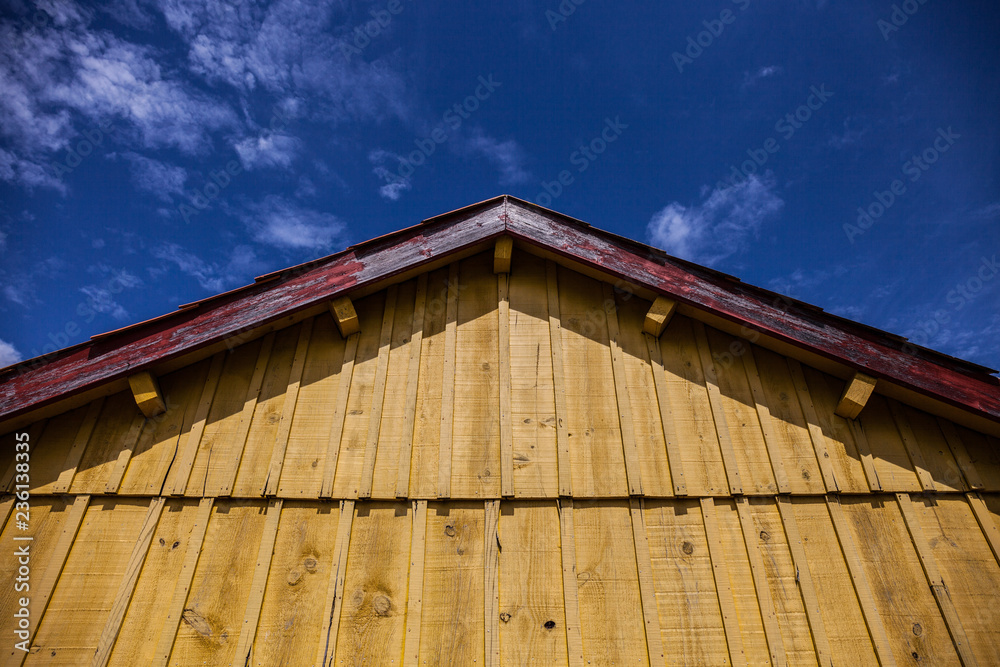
(720,225)
(283,224)
(287,48)
(765,72)
(268,150)
(101,298)
(67,85)
(394,185)
(158,178)
(989,211)
(215,277)
(8,354)
(508,156)
(3,241)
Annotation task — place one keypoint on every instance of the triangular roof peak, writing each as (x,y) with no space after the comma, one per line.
(102,364)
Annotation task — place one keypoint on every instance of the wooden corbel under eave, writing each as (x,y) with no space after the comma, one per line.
(345,316)
(146,391)
(501,254)
(659,316)
(855,396)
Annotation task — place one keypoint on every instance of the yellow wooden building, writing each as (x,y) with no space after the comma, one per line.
(500,436)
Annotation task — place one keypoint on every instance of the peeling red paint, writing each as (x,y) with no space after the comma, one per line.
(113,356)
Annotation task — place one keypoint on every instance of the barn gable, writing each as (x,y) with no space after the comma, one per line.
(516,454)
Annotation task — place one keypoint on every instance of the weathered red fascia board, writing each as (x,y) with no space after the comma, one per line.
(749,307)
(137,348)
(117,355)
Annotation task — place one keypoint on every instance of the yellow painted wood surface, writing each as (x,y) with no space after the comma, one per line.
(372,621)
(531,591)
(452,627)
(705,578)
(291,614)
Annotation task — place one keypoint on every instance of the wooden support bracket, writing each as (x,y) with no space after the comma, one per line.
(855,396)
(146,391)
(501,254)
(659,316)
(345,316)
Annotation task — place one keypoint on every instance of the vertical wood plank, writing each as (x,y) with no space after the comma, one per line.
(563,460)
(187,446)
(764,416)
(54,567)
(288,410)
(448,386)
(339,413)
(912,447)
(506,427)
(412,383)
(378,394)
(650,614)
(674,459)
(771,630)
(75,454)
(335,592)
(986,523)
(491,582)
(873,620)
(574,638)
(865,452)
(718,413)
(124,595)
(630,449)
(266,550)
(937,585)
(246,418)
(812,421)
(124,456)
(961,454)
(183,585)
(820,638)
(723,586)
(415,596)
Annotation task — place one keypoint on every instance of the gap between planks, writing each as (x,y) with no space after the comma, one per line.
(339,414)
(54,567)
(127,586)
(288,409)
(448,386)
(183,585)
(563,457)
(506,427)
(412,384)
(378,394)
(630,449)
(335,591)
(415,592)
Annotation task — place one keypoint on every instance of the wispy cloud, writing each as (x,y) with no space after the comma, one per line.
(158,178)
(214,277)
(719,226)
(66,84)
(268,150)
(8,354)
(278,222)
(383,165)
(766,72)
(507,156)
(102,298)
(287,50)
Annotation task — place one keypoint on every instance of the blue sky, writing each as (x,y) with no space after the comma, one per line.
(154,152)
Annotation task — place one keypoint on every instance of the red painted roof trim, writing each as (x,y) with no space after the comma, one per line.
(108,357)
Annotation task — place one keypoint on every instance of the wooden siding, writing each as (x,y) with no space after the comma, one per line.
(307,499)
